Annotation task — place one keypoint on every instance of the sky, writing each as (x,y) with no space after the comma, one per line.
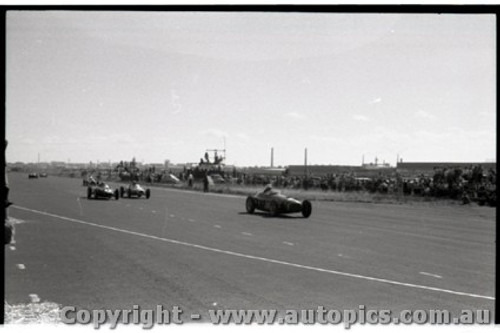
(108,86)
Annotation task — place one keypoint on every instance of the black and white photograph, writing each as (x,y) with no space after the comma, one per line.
(250,165)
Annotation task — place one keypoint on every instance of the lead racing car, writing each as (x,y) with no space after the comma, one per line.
(135,190)
(102,190)
(276,203)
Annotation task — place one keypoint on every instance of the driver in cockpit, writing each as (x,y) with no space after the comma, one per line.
(268,190)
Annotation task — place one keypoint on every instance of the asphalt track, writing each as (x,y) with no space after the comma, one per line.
(203,251)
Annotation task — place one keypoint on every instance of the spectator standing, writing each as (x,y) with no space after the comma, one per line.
(205,183)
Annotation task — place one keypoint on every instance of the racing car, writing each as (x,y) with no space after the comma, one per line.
(102,190)
(32,175)
(276,203)
(135,190)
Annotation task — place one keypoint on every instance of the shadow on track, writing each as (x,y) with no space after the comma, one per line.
(98,199)
(269,216)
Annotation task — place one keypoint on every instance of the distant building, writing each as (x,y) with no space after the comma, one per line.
(76,165)
(325,170)
(57,164)
(375,165)
(265,171)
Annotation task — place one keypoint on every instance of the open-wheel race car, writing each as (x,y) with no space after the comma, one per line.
(102,190)
(276,203)
(32,175)
(135,190)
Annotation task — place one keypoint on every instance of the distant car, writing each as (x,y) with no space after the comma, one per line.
(43,175)
(135,190)
(32,175)
(90,181)
(217,179)
(170,179)
(102,190)
(275,203)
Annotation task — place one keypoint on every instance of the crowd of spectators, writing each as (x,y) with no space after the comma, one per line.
(471,183)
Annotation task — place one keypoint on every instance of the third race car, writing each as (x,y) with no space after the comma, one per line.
(135,190)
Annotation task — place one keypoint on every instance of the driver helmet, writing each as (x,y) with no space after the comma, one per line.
(268,188)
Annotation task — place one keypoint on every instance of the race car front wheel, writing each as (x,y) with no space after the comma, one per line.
(250,205)
(89,193)
(306,208)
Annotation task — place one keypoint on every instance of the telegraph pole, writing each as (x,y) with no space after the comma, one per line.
(272,157)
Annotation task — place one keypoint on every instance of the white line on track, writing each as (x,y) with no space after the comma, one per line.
(80,204)
(288,243)
(191,220)
(217,226)
(340,255)
(13,220)
(246,233)
(21,266)
(268,260)
(432,275)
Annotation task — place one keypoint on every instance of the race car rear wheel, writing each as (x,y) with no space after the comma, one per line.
(129,193)
(250,205)
(89,193)
(117,194)
(306,208)
(273,209)
(148,193)
(122,190)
